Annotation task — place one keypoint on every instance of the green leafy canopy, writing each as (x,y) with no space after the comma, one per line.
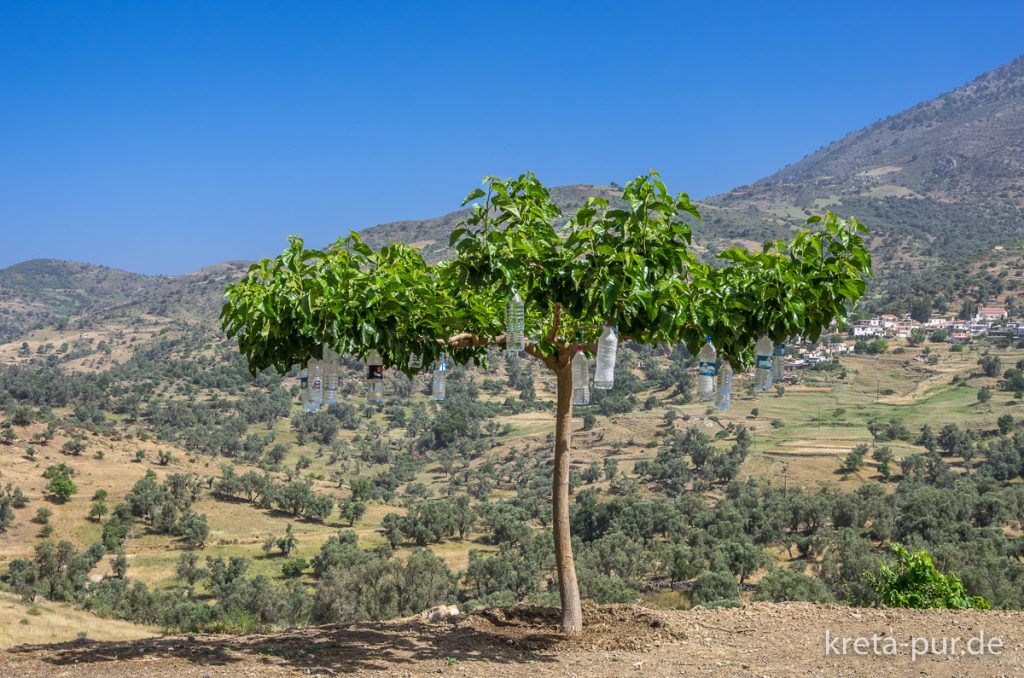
(632,266)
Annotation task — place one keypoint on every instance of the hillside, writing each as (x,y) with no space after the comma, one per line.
(757,640)
(939,185)
(72,296)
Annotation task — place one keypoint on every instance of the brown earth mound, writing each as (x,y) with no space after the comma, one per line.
(757,640)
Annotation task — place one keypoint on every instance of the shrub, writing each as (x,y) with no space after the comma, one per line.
(715,586)
(784,585)
(914,582)
(294,568)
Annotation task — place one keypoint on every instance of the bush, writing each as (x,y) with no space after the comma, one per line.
(715,586)
(780,586)
(914,582)
(294,568)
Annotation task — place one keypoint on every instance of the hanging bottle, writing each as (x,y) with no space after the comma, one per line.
(607,346)
(515,323)
(763,363)
(580,377)
(375,377)
(304,388)
(439,385)
(779,362)
(706,371)
(331,371)
(316,385)
(723,396)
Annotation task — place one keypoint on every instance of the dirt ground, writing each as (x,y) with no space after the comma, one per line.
(760,639)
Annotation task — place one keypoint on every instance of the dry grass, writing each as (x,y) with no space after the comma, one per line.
(22,623)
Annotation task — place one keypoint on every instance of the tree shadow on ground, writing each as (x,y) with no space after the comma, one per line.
(356,647)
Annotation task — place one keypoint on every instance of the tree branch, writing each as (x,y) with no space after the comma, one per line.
(550,361)
(468,339)
(555,322)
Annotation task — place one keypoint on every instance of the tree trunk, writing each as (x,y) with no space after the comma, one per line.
(568,588)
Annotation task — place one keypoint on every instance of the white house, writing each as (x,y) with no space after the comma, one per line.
(990,313)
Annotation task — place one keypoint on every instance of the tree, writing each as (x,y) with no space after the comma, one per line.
(288,542)
(119,565)
(294,568)
(351,510)
(611,467)
(188,569)
(991,366)
(60,486)
(98,510)
(74,447)
(1005,423)
(632,267)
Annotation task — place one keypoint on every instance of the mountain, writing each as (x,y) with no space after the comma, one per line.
(47,292)
(939,185)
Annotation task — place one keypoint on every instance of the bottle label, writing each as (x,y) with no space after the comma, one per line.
(764,362)
(706,369)
(374,371)
(303,382)
(780,350)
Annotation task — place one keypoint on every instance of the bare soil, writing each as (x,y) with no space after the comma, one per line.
(760,639)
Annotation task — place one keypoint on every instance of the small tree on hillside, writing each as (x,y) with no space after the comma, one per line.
(631,266)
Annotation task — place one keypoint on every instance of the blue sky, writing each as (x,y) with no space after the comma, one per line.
(163,137)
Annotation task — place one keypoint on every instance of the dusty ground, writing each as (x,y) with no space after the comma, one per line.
(759,640)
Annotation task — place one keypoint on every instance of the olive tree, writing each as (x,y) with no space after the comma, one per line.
(630,264)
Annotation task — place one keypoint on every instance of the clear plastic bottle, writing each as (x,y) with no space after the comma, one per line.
(331,370)
(375,377)
(580,378)
(779,362)
(515,323)
(706,371)
(439,385)
(304,388)
(607,346)
(763,363)
(723,396)
(316,385)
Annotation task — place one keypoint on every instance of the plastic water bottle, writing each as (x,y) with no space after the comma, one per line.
(375,377)
(607,345)
(779,362)
(580,378)
(706,371)
(316,385)
(439,386)
(723,397)
(331,369)
(515,323)
(304,388)
(763,363)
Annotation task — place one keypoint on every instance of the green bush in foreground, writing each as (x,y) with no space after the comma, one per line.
(914,581)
